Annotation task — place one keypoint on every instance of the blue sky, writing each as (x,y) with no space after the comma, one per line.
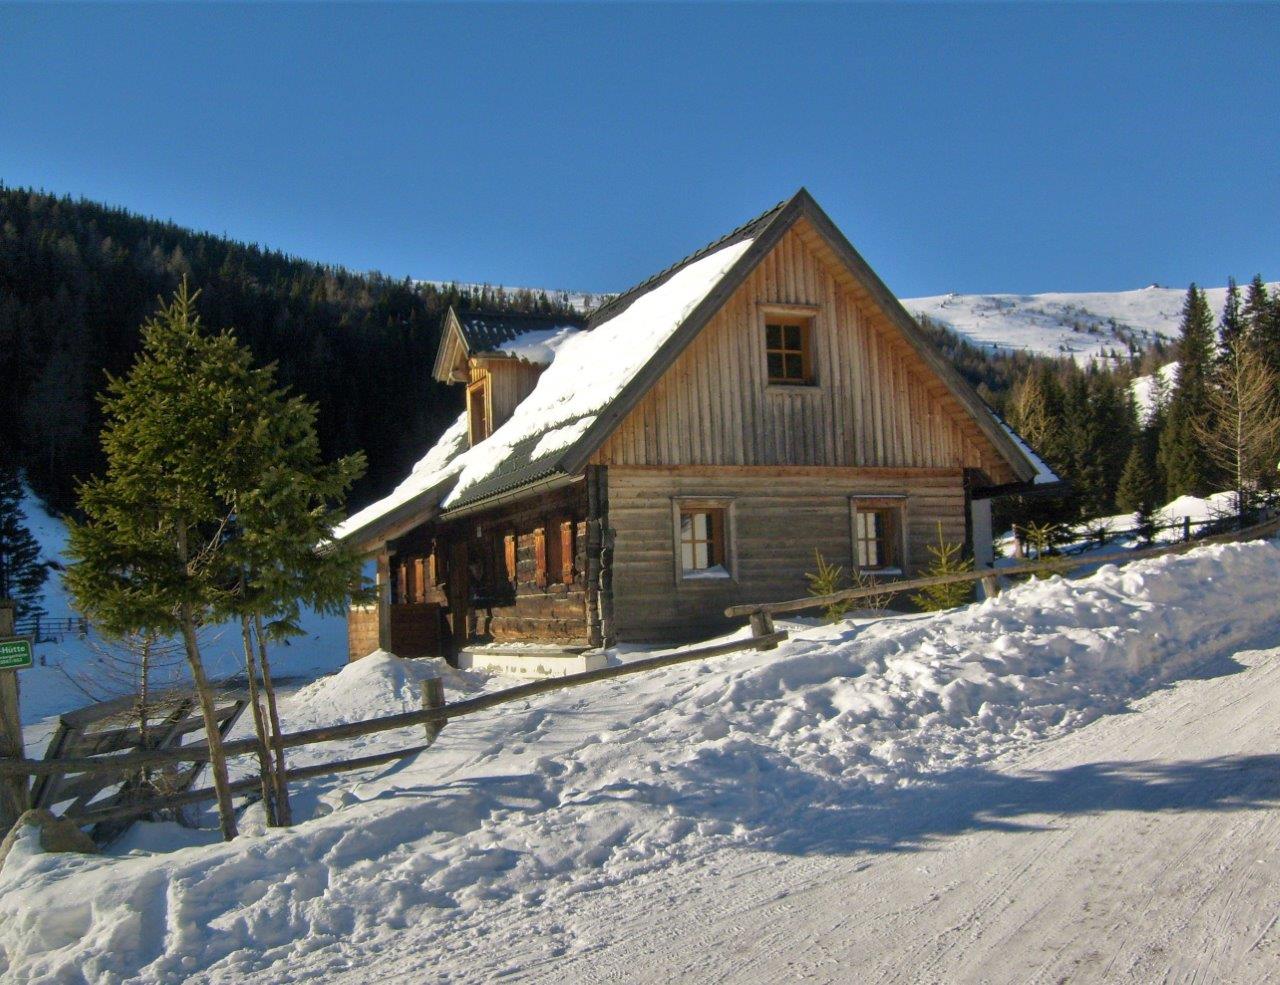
(967,148)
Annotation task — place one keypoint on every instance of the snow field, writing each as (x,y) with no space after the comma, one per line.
(531,806)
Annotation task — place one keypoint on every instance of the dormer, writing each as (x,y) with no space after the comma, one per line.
(499,357)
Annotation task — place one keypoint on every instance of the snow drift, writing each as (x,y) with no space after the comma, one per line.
(532,805)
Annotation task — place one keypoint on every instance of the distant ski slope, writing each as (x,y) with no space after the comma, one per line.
(1083,326)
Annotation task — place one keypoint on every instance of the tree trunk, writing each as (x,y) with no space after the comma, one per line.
(266,771)
(284,812)
(217,758)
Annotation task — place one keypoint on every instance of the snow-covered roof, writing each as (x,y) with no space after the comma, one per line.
(609,364)
(1044,475)
(586,371)
(432,470)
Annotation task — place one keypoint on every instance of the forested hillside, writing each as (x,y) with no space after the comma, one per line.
(78,278)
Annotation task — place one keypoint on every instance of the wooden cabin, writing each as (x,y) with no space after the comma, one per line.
(688,446)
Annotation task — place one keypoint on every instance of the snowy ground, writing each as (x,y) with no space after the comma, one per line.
(926,798)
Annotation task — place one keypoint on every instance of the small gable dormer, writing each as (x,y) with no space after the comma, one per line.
(499,357)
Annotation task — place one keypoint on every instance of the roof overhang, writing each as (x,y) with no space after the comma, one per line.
(452,351)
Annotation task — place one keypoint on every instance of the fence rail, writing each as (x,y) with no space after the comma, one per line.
(436,716)
(1053,565)
(42,629)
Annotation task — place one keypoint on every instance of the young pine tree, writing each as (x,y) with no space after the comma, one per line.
(948,559)
(150,555)
(22,573)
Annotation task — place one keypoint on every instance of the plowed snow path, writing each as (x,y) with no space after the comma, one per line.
(1143,847)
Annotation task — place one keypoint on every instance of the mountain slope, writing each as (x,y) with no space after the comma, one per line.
(1083,326)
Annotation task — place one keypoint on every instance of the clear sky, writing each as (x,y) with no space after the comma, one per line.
(961,148)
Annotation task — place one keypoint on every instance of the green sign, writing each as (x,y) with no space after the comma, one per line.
(15,653)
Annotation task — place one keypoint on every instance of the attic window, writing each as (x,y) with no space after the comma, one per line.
(478,410)
(788,350)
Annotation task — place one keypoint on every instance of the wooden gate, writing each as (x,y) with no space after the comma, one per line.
(118,727)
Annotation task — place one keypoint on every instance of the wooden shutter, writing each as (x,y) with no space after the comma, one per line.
(433,569)
(566,552)
(509,556)
(717,555)
(540,557)
(402,573)
(419,579)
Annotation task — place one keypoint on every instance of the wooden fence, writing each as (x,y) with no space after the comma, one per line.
(761,614)
(434,715)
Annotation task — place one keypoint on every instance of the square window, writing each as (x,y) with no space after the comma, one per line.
(703,543)
(877,534)
(788,351)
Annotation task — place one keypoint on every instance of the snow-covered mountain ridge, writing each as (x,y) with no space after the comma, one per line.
(1084,326)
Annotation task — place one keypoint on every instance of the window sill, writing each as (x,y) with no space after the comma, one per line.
(789,388)
(873,572)
(717,578)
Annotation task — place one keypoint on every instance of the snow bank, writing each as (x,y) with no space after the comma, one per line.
(532,804)
(379,684)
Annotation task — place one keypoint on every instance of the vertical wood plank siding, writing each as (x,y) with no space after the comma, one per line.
(876,403)
(510,381)
(781,516)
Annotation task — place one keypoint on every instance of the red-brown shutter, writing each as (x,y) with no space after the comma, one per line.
(509,556)
(540,557)
(419,579)
(566,552)
(717,554)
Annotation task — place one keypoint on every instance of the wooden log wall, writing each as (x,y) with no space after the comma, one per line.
(779,516)
(875,402)
(541,607)
(362,631)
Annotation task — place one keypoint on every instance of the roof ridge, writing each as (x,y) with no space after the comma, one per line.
(622,301)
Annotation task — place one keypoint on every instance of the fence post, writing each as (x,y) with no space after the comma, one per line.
(15,791)
(762,625)
(432,697)
(1186,528)
(991,585)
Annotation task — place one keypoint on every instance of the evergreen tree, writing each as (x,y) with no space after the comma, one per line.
(1256,310)
(1139,490)
(151,554)
(286,503)
(1232,326)
(1241,433)
(1183,460)
(22,573)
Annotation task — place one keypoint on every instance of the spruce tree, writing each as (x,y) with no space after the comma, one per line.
(1138,492)
(1232,329)
(150,555)
(1183,460)
(280,549)
(22,573)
